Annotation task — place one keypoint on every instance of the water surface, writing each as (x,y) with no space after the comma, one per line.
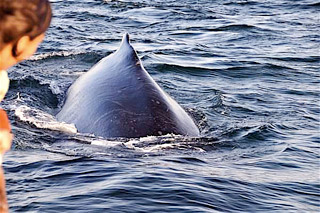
(247,71)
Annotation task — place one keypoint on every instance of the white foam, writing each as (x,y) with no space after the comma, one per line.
(152,144)
(43,120)
(149,144)
(106,143)
(52,54)
(54,86)
(150,149)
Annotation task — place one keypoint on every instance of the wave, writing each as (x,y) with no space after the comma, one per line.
(309,59)
(40,93)
(91,146)
(42,120)
(242,3)
(315,6)
(240,69)
(55,55)
(234,27)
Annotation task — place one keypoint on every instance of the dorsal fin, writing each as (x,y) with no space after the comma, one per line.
(125,41)
(126,48)
(126,37)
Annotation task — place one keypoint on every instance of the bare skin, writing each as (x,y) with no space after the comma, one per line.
(25,48)
(4,84)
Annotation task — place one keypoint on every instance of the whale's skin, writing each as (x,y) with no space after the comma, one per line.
(118,98)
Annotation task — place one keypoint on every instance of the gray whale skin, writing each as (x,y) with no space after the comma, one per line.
(118,98)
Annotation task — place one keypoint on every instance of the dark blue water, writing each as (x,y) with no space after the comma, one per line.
(247,71)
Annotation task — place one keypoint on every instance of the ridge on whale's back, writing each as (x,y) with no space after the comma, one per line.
(125,46)
(118,98)
(125,53)
(125,43)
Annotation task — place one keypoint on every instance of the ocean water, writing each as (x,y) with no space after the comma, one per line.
(248,73)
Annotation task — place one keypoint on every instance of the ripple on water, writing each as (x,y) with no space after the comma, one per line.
(247,71)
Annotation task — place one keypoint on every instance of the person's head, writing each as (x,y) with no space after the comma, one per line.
(22,27)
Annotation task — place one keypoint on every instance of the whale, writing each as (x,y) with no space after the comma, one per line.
(118,98)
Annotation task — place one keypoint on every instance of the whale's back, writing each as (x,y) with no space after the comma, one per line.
(118,98)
